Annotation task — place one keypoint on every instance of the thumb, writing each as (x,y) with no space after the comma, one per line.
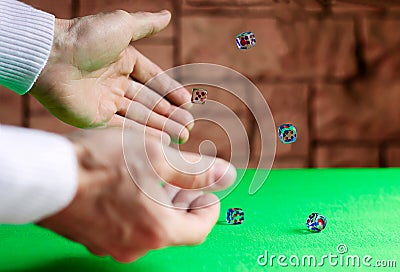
(146,24)
(178,170)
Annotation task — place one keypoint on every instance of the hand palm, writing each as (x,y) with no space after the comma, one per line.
(91,71)
(125,219)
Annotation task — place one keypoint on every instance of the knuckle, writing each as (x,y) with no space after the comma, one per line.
(124,257)
(113,175)
(155,229)
(199,239)
(121,12)
(192,241)
(158,236)
(128,255)
(142,13)
(153,150)
(202,181)
(123,234)
(154,72)
(155,242)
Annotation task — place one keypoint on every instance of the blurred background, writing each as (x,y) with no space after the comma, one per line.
(332,68)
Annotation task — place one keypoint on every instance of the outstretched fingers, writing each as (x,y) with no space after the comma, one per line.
(194,171)
(155,102)
(147,72)
(139,113)
(120,121)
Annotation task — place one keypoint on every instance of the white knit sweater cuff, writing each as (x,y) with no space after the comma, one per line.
(38,174)
(26,38)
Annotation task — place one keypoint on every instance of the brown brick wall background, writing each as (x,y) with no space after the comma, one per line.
(332,68)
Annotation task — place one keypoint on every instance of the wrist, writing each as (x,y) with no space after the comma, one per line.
(45,81)
(92,170)
(82,157)
(56,220)
(61,40)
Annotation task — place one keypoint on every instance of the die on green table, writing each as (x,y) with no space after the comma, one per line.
(234,216)
(316,222)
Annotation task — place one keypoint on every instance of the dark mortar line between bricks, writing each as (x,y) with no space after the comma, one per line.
(75,8)
(310,122)
(177,30)
(272,14)
(382,155)
(352,143)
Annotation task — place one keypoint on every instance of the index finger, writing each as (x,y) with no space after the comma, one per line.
(192,171)
(195,224)
(151,75)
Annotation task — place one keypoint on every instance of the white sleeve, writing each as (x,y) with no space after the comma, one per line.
(26,38)
(38,174)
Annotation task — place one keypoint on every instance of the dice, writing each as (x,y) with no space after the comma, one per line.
(287,133)
(234,216)
(316,222)
(245,40)
(199,96)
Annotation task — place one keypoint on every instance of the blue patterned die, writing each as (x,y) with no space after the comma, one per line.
(287,133)
(316,222)
(234,216)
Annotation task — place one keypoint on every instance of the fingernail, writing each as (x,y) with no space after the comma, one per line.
(177,141)
(183,140)
(164,12)
(187,106)
(165,139)
(190,126)
(184,135)
(224,169)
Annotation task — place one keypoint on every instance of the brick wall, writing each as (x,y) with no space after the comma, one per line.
(330,67)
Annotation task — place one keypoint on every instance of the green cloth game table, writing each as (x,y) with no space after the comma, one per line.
(362,207)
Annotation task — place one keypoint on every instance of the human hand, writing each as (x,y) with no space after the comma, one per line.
(111,215)
(94,72)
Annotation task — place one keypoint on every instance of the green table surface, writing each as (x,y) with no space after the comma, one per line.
(362,207)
